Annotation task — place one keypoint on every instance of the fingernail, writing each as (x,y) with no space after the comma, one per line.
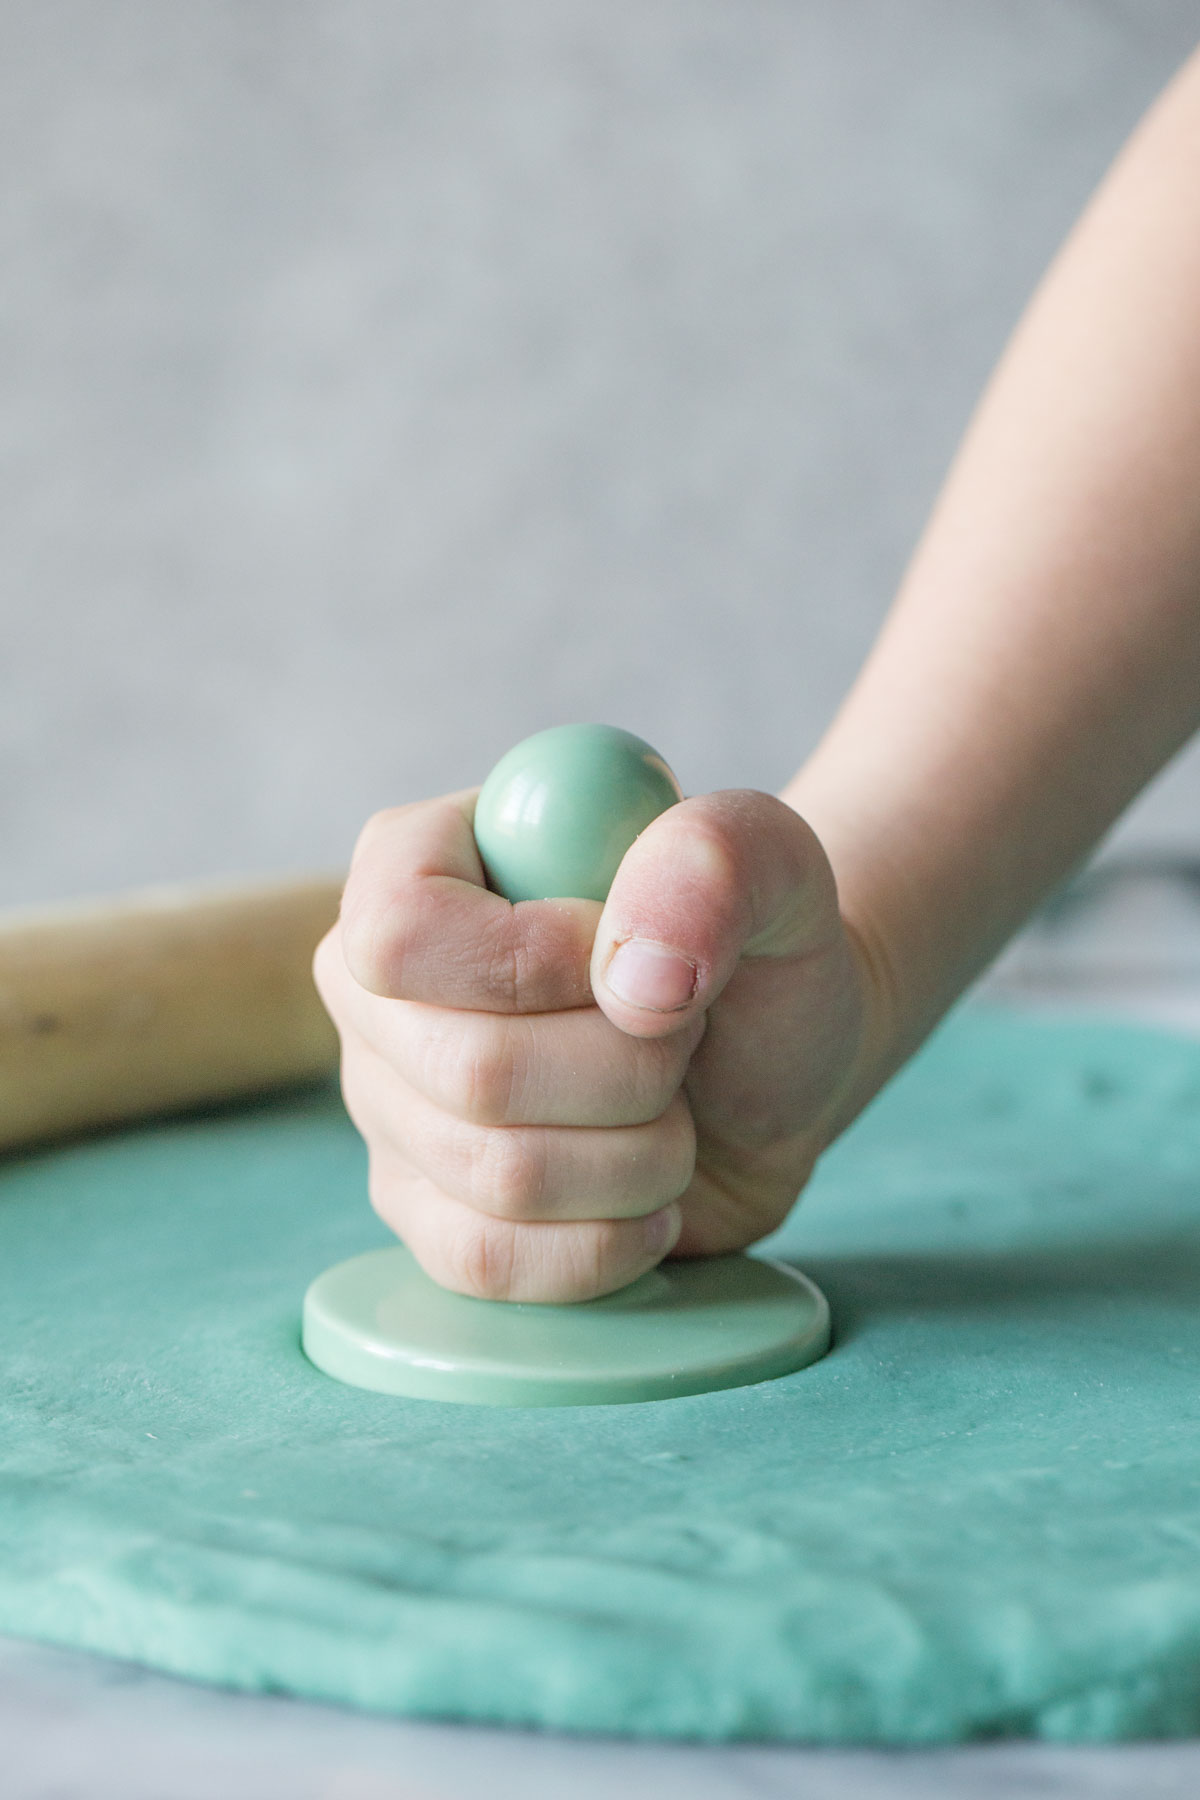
(650,975)
(662,1228)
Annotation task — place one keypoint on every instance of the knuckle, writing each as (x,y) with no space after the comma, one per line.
(327,963)
(357,1097)
(644,1092)
(503,963)
(482,1087)
(518,963)
(376,936)
(378,825)
(384,1188)
(362,940)
(480,1078)
(480,1259)
(596,1256)
(509,1174)
(664,1067)
(593,1258)
(678,1148)
(362,920)
(355,1103)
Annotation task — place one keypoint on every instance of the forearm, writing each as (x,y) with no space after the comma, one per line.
(1042,660)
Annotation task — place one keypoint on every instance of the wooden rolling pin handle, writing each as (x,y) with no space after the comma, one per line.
(158,1001)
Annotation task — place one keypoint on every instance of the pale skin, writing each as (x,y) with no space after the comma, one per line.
(540,1128)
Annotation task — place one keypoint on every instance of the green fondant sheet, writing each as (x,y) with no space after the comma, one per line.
(980,1514)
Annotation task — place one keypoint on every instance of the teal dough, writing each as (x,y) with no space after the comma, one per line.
(980,1514)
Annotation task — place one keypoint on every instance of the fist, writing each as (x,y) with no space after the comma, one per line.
(555,1094)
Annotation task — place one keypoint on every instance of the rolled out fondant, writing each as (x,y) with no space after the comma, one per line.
(979,1514)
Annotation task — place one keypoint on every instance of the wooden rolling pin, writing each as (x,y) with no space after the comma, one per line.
(156,1001)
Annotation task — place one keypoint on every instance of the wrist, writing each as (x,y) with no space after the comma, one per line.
(893,1017)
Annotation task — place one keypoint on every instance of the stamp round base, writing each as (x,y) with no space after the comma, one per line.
(378,1321)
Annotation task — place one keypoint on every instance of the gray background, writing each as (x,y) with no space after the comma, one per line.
(380,382)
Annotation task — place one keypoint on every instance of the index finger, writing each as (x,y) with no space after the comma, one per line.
(419,923)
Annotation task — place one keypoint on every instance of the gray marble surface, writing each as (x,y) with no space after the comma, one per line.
(76,1727)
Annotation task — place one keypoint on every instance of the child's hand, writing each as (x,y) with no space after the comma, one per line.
(546,1116)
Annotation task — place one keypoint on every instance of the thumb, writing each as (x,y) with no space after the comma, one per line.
(713,880)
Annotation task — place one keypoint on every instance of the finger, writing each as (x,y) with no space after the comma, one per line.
(497,1259)
(562,1068)
(524,1173)
(418,922)
(714,881)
